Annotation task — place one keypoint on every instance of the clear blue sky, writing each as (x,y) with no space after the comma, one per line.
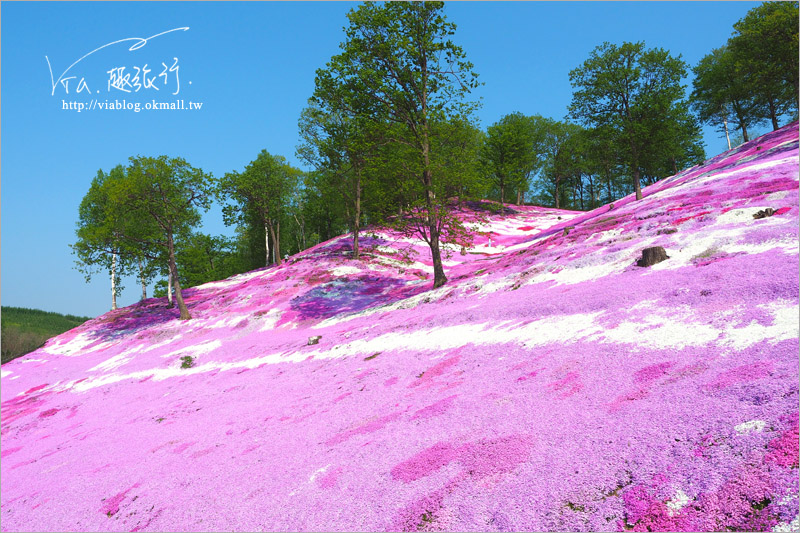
(252,66)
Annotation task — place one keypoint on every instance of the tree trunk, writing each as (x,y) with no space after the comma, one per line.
(519,196)
(113,281)
(727,135)
(266,243)
(674,165)
(277,244)
(558,206)
(744,132)
(439,278)
(637,186)
(357,219)
(502,198)
(302,228)
(170,303)
(772,113)
(173,268)
(141,279)
(275,257)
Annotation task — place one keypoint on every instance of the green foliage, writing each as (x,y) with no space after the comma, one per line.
(631,93)
(262,193)
(563,148)
(511,151)
(187,361)
(722,92)
(754,77)
(163,196)
(765,46)
(400,71)
(25,330)
(204,258)
(99,245)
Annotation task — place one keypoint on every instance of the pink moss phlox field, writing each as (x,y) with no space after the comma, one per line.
(551,384)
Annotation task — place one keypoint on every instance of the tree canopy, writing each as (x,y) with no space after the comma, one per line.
(398,66)
(632,90)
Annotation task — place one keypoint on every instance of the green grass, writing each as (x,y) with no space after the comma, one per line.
(24,330)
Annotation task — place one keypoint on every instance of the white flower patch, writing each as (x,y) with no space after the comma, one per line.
(270,320)
(787,245)
(660,331)
(741,168)
(608,235)
(498,285)
(196,350)
(677,502)
(5,373)
(783,527)
(228,321)
(116,361)
(687,248)
(161,344)
(545,331)
(786,325)
(780,195)
(345,270)
(318,472)
(76,346)
(750,426)
(743,215)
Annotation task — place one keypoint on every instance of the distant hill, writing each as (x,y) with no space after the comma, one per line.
(24,330)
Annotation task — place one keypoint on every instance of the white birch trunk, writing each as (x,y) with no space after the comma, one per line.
(169,289)
(141,279)
(113,281)
(725,123)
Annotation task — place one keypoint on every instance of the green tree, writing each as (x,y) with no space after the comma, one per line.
(260,192)
(604,165)
(205,258)
(399,66)
(562,151)
(98,243)
(723,94)
(161,197)
(628,88)
(455,157)
(509,154)
(765,46)
(343,145)
(676,143)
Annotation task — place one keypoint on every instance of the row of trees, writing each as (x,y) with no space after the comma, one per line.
(753,78)
(139,219)
(391,138)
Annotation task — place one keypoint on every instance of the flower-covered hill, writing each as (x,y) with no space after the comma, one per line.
(552,384)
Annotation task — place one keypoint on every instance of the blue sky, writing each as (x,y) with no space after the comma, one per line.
(252,66)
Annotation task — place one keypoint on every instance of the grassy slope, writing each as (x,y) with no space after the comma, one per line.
(24,330)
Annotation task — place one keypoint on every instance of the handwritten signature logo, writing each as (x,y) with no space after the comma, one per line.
(134,80)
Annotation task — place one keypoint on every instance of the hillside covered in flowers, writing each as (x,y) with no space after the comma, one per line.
(551,384)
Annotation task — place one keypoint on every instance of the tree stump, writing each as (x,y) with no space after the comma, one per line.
(651,256)
(764,213)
